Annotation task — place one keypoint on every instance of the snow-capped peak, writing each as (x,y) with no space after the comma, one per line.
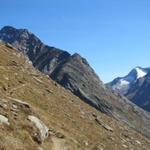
(122,84)
(140,73)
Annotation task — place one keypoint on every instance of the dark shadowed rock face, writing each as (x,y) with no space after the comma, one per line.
(74,73)
(135,86)
(71,71)
(140,92)
(43,57)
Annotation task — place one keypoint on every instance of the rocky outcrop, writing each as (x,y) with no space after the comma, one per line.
(4,120)
(44,131)
(101,123)
(21,110)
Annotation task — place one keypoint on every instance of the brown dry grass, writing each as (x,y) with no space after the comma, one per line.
(60,110)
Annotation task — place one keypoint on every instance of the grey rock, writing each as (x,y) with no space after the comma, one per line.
(4,120)
(20,102)
(43,129)
(105,126)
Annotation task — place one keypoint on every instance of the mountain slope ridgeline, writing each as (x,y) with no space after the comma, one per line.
(75,74)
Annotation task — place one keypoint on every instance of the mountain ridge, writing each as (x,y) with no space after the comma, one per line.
(135,86)
(36,113)
(122,84)
(75,74)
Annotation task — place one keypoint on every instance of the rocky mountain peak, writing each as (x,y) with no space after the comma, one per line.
(10,32)
(136,73)
(139,92)
(11,29)
(122,84)
(21,39)
(8,29)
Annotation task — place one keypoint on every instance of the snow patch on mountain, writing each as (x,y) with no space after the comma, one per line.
(140,73)
(122,84)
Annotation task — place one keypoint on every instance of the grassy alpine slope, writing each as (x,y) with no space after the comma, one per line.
(72,124)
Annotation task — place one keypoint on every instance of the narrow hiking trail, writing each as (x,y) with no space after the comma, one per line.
(58,144)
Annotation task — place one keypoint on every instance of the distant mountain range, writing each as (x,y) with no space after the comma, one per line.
(135,86)
(74,73)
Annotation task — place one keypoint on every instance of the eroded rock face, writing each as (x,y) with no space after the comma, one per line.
(77,75)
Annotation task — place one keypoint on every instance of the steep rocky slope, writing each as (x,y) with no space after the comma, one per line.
(75,74)
(38,114)
(139,92)
(72,71)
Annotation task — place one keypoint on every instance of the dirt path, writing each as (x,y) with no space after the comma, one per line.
(16,88)
(58,144)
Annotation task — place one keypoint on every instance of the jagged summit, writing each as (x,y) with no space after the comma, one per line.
(8,28)
(8,31)
(135,86)
(139,92)
(137,72)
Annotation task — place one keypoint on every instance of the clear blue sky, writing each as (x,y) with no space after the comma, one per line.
(113,35)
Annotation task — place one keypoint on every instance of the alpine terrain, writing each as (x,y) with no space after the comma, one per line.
(75,74)
(135,86)
(123,84)
(36,113)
